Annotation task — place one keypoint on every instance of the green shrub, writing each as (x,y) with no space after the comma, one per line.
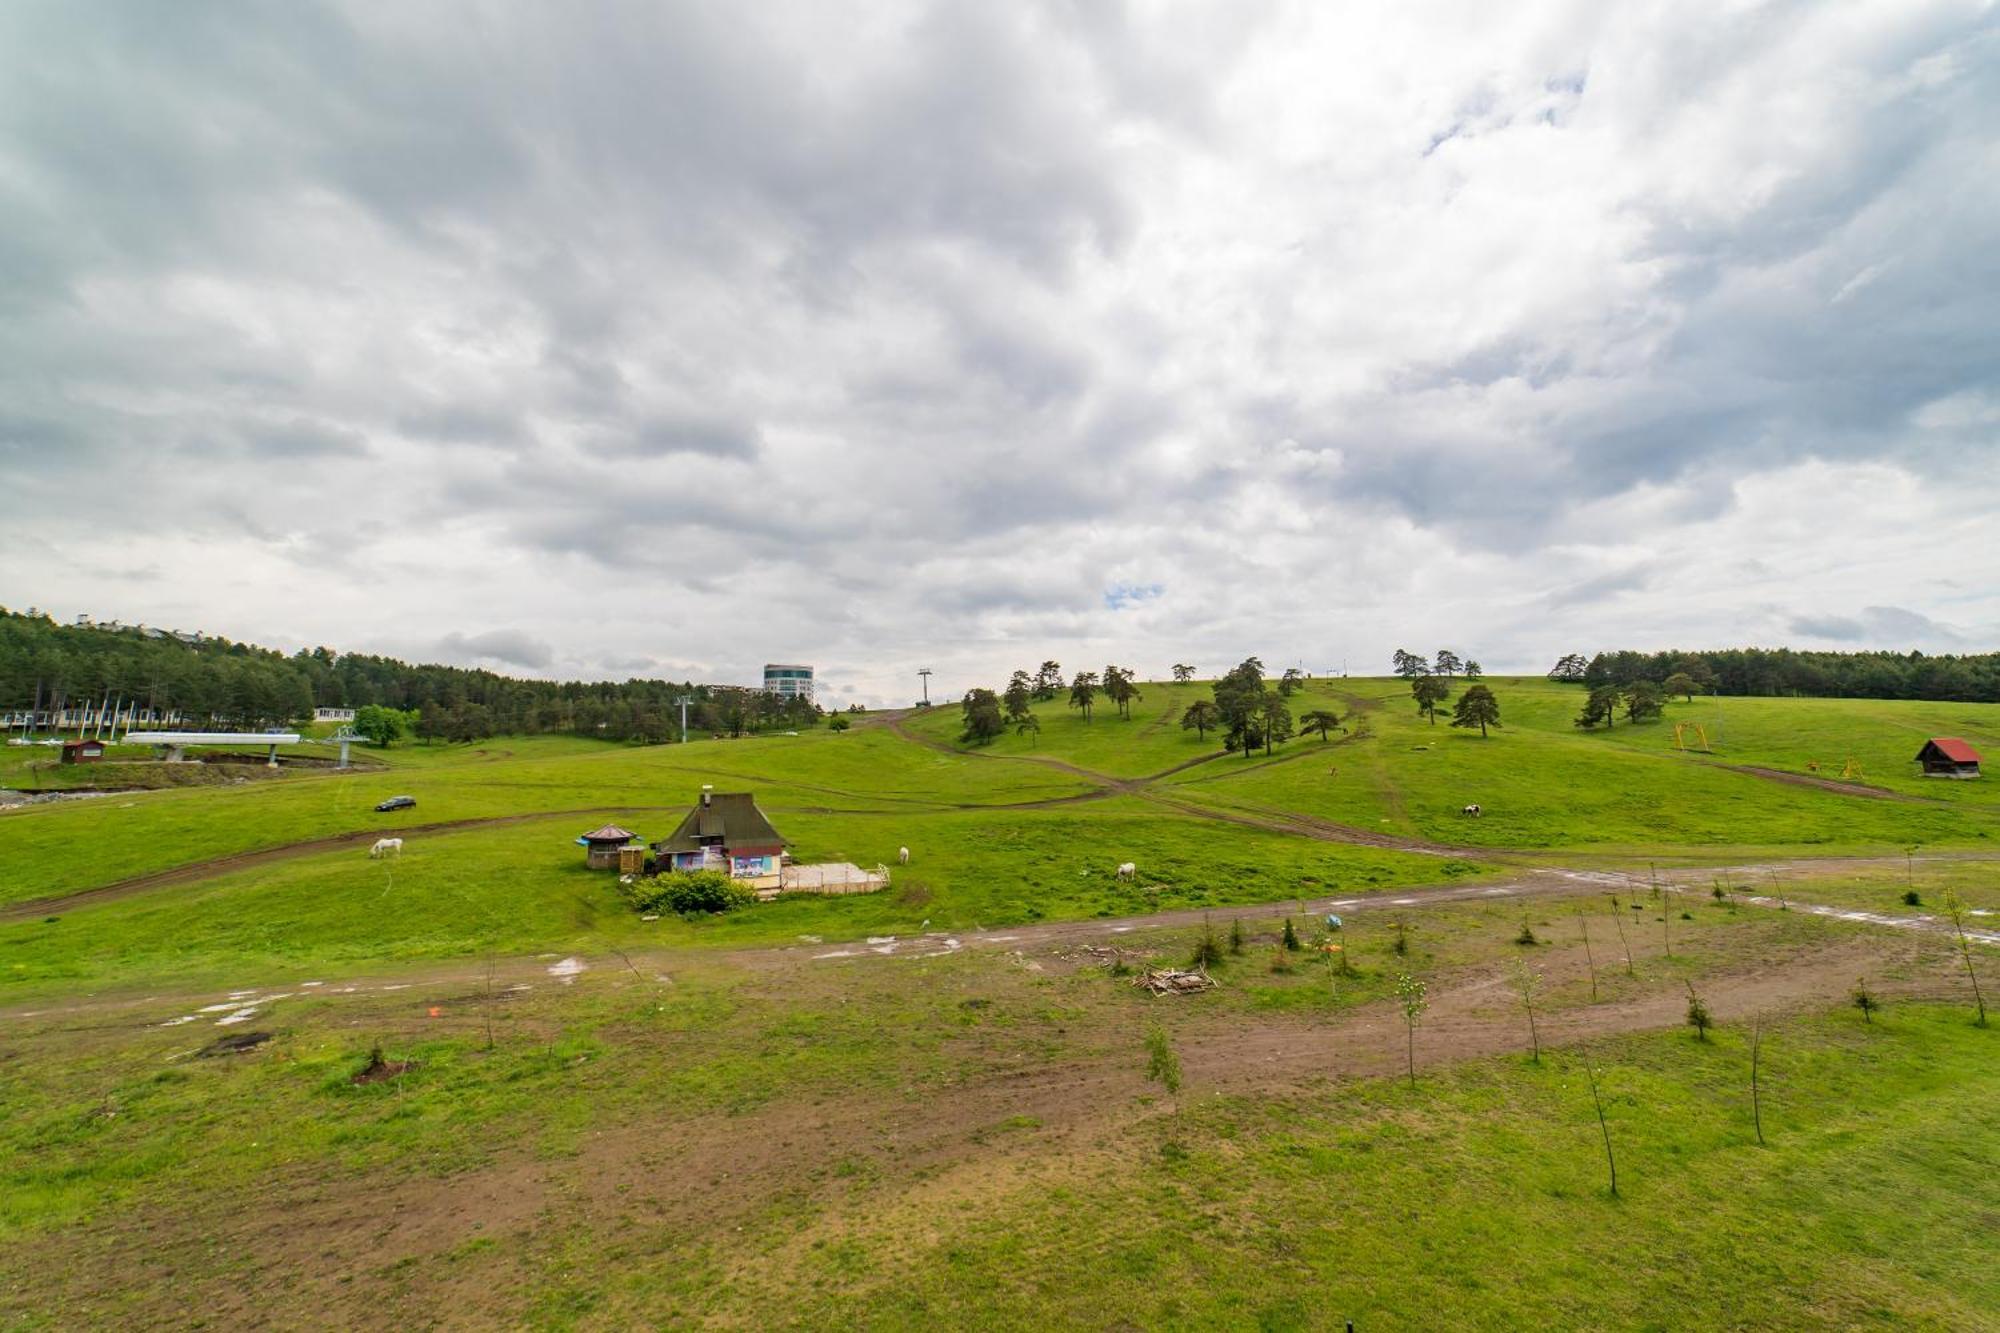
(1913,899)
(688,893)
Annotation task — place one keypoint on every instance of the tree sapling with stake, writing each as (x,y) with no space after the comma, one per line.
(1163,1064)
(1954,908)
(1527,982)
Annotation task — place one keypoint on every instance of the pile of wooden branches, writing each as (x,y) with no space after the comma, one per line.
(1174,981)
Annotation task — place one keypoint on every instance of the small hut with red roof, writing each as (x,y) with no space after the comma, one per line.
(1948,757)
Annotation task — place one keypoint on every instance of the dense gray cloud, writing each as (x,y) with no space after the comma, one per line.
(964,336)
(508,647)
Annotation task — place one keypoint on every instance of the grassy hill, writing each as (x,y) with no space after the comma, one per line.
(930,1105)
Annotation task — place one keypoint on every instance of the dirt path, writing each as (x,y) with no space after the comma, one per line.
(1831,784)
(470,974)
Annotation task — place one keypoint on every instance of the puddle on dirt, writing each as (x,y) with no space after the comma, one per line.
(567,971)
(236,1043)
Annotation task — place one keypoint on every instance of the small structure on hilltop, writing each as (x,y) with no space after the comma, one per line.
(601,847)
(1948,757)
(82,752)
(726,831)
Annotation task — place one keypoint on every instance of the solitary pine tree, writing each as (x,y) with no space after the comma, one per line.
(1200,717)
(1048,680)
(1276,719)
(1643,701)
(983,719)
(1019,695)
(1408,665)
(1083,692)
(1321,720)
(1429,692)
(1601,706)
(1476,708)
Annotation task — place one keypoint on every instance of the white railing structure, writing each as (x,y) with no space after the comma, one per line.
(173,744)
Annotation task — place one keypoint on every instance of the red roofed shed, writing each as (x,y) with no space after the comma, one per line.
(1948,757)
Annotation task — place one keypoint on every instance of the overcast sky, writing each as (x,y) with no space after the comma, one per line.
(649,339)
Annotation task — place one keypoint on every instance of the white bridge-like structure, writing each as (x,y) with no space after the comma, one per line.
(172,745)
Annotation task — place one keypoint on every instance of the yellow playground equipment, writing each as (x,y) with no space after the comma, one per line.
(1849,771)
(1686,731)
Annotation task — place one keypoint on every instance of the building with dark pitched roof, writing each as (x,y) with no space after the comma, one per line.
(725,831)
(1948,757)
(602,846)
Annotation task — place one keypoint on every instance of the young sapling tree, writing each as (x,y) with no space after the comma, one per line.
(1618,919)
(1590,961)
(1604,1126)
(1954,908)
(1865,1000)
(1414,997)
(1163,1064)
(1527,984)
(1756,1099)
(1698,1016)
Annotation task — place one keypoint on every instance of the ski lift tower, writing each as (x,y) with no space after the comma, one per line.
(684,701)
(924,674)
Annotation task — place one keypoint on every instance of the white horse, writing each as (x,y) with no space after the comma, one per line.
(902,856)
(385,847)
(1471,812)
(1127,870)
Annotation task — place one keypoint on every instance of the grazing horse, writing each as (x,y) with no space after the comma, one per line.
(1127,870)
(902,856)
(385,847)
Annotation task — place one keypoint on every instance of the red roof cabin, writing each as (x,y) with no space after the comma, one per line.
(601,846)
(1948,757)
(82,752)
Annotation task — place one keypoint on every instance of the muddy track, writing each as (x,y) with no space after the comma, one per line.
(1832,785)
(468,975)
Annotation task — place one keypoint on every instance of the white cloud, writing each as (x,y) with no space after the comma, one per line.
(883,338)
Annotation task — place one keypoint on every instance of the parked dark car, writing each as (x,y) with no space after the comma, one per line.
(397,803)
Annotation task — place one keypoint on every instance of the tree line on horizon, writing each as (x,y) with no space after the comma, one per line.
(45,667)
(1772,672)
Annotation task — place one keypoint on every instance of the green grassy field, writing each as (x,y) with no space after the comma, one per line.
(966,1140)
(928,1105)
